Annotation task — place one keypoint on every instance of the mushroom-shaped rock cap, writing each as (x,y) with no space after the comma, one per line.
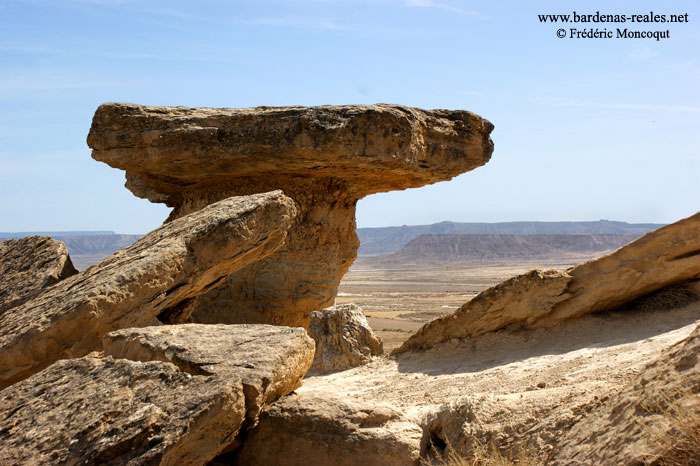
(374,147)
(325,158)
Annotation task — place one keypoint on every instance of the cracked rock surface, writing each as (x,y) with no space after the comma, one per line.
(157,277)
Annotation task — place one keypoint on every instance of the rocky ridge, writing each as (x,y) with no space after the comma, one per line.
(155,278)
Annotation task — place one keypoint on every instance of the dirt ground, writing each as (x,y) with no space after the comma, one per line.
(399,298)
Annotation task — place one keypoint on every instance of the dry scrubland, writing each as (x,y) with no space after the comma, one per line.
(398,298)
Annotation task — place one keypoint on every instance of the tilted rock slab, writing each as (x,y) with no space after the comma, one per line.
(269,360)
(320,430)
(29,265)
(636,426)
(92,411)
(343,338)
(325,158)
(158,275)
(538,298)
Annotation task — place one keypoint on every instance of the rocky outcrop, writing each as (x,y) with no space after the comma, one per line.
(343,338)
(530,422)
(658,259)
(30,265)
(104,411)
(642,423)
(270,361)
(313,430)
(157,277)
(172,394)
(325,158)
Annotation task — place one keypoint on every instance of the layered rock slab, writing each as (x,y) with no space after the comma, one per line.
(92,411)
(159,275)
(664,257)
(270,361)
(325,158)
(641,423)
(318,430)
(28,266)
(343,338)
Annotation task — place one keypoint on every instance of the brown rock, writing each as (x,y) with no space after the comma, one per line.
(313,430)
(103,411)
(636,426)
(29,265)
(664,257)
(325,158)
(270,361)
(159,275)
(343,338)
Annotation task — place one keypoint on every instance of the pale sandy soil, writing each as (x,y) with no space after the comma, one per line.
(581,360)
(399,298)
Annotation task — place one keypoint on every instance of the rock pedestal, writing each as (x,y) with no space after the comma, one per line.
(325,158)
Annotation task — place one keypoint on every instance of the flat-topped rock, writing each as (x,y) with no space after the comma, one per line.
(29,265)
(325,158)
(157,277)
(269,360)
(92,411)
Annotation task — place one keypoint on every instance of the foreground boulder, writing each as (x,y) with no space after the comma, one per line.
(104,411)
(270,361)
(28,266)
(313,430)
(343,338)
(664,257)
(158,276)
(325,158)
(654,420)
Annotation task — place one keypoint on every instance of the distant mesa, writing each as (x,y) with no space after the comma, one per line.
(388,240)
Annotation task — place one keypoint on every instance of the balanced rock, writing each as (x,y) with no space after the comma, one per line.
(343,338)
(157,277)
(29,265)
(104,411)
(319,430)
(269,360)
(661,258)
(325,158)
(654,420)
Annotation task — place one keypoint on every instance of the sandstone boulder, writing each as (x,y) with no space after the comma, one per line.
(320,430)
(158,276)
(343,338)
(28,266)
(640,424)
(270,361)
(661,258)
(94,411)
(325,158)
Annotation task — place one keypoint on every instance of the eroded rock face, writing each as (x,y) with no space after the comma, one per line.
(158,276)
(28,266)
(343,338)
(531,422)
(313,430)
(635,426)
(270,361)
(105,411)
(325,158)
(664,257)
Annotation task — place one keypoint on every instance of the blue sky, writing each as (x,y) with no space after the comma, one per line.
(585,129)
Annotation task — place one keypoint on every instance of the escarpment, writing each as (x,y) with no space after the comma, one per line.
(325,158)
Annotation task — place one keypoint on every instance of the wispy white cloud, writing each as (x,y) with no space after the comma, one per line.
(439,6)
(643,54)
